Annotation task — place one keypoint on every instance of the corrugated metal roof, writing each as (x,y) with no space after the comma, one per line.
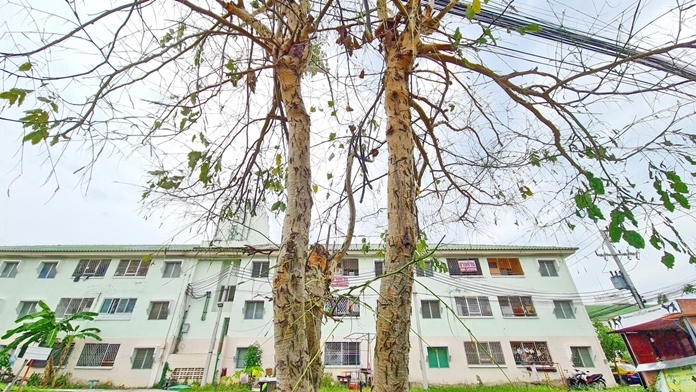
(198,248)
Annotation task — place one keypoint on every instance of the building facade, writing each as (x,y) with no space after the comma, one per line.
(490,314)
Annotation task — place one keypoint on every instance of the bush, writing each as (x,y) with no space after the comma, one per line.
(34,380)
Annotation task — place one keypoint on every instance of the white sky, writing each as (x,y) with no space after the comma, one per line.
(32,212)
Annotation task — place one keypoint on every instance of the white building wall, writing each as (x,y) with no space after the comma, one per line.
(211,270)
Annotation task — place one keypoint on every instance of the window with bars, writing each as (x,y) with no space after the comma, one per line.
(564,309)
(48,270)
(341,353)
(172,269)
(132,268)
(517,306)
(9,269)
(530,352)
(87,267)
(26,307)
(68,306)
(484,353)
(505,266)
(117,306)
(428,271)
(343,306)
(430,309)
(57,353)
(253,310)
(379,268)
(547,268)
(98,354)
(348,267)
(143,358)
(464,267)
(159,310)
(259,269)
(438,357)
(473,306)
(581,357)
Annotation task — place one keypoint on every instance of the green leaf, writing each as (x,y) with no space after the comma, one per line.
(470,13)
(193,158)
(329,176)
(615,232)
(667,202)
(682,200)
(679,187)
(634,239)
(692,259)
(655,241)
(668,260)
(315,188)
(597,185)
(457,37)
(332,136)
(278,206)
(55,140)
(312,109)
(330,103)
(205,169)
(25,67)
(147,258)
(534,28)
(476,6)
(157,125)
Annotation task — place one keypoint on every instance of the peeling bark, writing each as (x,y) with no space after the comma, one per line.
(289,297)
(392,347)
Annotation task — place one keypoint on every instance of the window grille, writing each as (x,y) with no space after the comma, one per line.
(91,267)
(517,306)
(473,306)
(343,306)
(68,306)
(484,353)
(464,267)
(187,374)
(581,357)
(98,354)
(342,353)
(348,267)
(530,352)
(132,268)
(379,268)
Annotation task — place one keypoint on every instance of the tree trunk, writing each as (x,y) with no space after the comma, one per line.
(289,282)
(317,290)
(392,345)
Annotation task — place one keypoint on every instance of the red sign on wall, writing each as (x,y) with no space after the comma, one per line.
(340,281)
(467,266)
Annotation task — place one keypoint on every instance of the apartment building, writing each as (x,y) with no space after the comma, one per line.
(481,313)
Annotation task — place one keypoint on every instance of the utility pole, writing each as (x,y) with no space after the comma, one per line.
(613,253)
(209,358)
(424,370)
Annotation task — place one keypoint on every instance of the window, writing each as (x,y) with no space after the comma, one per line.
(505,266)
(187,374)
(159,310)
(428,271)
(117,306)
(438,357)
(347,267)
(48,269)
(9,269)
(253,310)
(98,354)
(563,309)
(26,307)
(143,358)
(343,306)
(68,306)
(464,267)
(582,357)
(132,268)
(530,352)
(517,306)
(547,268)
(172,269)
(227,293)
(240,358)
(430,309)
(473,306)
(260,269)
(57,354)
(379,268)
(342,353)
(484,353)
(91,268)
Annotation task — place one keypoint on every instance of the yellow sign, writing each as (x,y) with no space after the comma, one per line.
(682,379)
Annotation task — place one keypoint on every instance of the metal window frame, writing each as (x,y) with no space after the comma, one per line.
(262,271)
(13,271)
(43,264)
(174,264)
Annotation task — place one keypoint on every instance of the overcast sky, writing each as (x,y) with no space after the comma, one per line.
(105,210)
